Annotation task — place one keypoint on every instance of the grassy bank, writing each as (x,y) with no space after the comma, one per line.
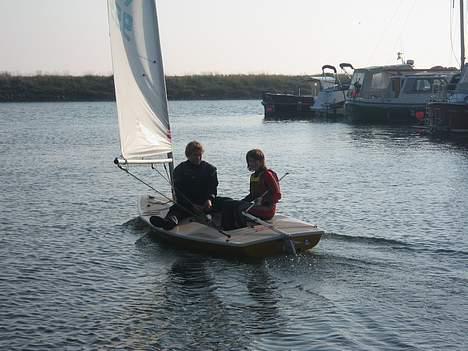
(101,88)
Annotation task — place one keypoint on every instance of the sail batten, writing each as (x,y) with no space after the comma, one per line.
(139,80)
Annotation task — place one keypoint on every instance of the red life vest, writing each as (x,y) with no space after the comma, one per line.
(265,182)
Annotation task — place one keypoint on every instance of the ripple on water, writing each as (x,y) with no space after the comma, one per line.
(80,271)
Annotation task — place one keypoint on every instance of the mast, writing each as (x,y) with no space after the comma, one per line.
(462,36)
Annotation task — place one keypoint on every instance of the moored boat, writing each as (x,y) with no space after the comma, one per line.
(282,105)
(392,94)
(295,106)
(447,113)
(331,100)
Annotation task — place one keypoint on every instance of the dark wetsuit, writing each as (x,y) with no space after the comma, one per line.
(193,185)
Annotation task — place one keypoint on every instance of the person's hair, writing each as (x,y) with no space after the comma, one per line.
(257,155)
(192,147)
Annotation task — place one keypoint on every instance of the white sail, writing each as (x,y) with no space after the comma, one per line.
(139,79)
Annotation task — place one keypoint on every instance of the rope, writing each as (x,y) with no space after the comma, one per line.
(142,181)
(451,32)
(165,177)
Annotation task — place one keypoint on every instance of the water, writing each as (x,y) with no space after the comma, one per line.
(79,271)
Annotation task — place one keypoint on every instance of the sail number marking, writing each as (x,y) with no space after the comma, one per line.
(125,19)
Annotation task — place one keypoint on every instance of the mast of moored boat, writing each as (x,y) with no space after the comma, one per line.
(462,37)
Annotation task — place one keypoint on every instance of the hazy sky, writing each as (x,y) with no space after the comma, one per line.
(235,36)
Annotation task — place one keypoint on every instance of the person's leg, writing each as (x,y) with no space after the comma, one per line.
(173,217)
(263,212)
(228,214)
(239,218)
(220,202)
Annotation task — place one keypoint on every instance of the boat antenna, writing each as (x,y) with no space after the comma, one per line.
(401,57)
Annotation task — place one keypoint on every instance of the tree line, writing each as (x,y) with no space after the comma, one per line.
(15,88)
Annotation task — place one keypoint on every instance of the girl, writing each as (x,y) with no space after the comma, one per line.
(264,193)
(264,186)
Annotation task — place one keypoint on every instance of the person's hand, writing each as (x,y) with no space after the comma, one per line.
(208,205)
(258,201)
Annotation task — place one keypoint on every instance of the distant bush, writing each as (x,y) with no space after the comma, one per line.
(194,87)
(232,86)
(55,88)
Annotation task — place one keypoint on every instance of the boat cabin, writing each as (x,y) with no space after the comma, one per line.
(378,81)
(398,82)
(393,94)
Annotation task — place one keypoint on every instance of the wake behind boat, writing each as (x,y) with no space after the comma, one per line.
(145,138)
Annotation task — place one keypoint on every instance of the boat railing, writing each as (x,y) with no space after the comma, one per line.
(440,91)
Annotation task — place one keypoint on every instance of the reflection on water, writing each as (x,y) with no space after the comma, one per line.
(263,290)
(195,310)
(187,308)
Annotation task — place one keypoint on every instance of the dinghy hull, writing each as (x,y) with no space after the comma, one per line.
(254,250)
(254,241)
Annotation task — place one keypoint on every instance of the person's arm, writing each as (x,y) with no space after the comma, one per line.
(212,188)
(213,185)
(180,186)
(249,197)
(177,180)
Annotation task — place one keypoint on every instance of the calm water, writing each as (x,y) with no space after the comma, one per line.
(79,271)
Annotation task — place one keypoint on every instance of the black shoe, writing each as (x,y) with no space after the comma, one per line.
(157,221)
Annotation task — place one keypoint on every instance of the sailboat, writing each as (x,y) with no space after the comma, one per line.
(447,112)
(145,140)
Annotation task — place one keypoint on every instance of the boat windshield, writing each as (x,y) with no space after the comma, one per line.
(422,85)
(358,77)
(380,81)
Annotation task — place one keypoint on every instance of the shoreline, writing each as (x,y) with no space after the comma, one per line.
(54,88)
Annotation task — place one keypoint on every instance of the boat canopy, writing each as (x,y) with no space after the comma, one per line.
(324,81)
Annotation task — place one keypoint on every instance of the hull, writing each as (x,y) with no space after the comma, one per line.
(278,106)
(443,117)
(329,103)
(374,112)
(255,250)
(333,111)
(255,241)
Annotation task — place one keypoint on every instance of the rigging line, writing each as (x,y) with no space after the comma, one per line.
(145,183)
(404,24)
(386,27)
(451,32)
(162,175)
(176,189)
(167,174)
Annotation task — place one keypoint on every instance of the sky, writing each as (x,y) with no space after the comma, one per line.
(236,36)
